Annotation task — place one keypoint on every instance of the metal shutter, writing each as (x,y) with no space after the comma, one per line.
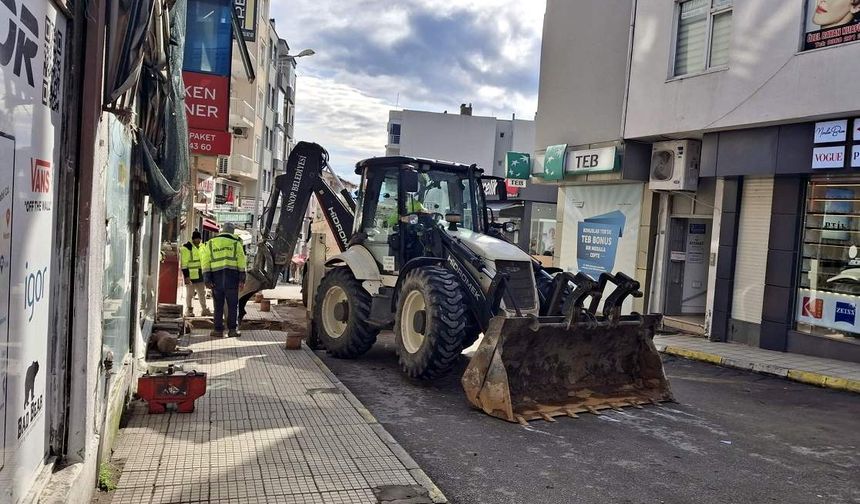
(751,257)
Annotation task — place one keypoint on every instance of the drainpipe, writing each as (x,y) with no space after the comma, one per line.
(631,33)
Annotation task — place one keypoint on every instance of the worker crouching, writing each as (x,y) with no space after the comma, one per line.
(224,273)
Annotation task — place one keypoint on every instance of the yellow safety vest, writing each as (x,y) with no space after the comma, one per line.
(190,258)
(224,252)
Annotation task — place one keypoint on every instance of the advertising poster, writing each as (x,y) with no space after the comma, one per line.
(828,309)
(31,113)
(597,242)
(830,23)
(7,190)
(600,229)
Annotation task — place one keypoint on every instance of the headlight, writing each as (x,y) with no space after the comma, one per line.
(509,227)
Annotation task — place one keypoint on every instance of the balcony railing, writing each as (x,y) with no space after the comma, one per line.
(243,166)
(241,114)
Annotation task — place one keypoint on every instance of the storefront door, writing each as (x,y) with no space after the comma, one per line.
(687,274)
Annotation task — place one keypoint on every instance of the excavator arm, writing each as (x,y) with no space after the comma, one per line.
(290,197)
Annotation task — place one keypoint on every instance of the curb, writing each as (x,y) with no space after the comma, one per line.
(808,377)
(408,462)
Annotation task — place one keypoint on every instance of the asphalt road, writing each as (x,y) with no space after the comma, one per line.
(732,437)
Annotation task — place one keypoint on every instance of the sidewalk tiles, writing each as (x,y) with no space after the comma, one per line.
(274,426)
(828,373)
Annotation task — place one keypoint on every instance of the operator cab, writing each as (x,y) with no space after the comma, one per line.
(401,197)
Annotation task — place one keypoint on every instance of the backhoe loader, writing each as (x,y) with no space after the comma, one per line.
(422,255)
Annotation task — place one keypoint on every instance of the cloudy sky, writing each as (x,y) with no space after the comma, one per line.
(377,55)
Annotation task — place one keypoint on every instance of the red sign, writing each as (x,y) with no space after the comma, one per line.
(207,101)
(813,307)
(209,143)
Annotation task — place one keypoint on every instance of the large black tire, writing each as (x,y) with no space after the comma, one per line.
(357,336)
(444,323)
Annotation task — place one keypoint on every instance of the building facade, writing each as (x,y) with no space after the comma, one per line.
(484,141)
(760,247)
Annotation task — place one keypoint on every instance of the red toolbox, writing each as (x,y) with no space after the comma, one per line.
(179,388)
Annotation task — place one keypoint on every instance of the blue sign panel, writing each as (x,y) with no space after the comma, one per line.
(208,37)
(597,242)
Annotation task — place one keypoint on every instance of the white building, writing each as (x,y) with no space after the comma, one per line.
(761,248)
(484,141)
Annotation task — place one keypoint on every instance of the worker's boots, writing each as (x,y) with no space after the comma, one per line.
(233,333)
(189,313)
(207,313)
(216,334)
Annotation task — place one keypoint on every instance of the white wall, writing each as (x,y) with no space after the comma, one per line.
(448,137)
(582,72)
(768,80)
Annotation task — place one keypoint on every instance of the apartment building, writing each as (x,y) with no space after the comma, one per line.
(739,130)
(484,141)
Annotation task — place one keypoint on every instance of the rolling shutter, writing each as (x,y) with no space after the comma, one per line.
(751,256)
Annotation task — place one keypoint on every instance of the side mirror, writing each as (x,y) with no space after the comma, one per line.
(502,190)
(409,181)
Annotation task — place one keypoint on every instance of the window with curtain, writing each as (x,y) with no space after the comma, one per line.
(704,35)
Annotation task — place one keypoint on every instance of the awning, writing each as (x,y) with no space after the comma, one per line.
(210,225)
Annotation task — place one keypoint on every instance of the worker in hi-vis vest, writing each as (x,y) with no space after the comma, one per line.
(191,262)
(224,273)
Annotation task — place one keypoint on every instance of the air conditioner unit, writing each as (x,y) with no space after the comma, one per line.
(240,132)
(675,165)
(223,165)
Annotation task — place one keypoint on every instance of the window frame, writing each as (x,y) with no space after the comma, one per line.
(676,26)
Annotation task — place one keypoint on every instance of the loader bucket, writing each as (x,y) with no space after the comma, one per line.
(530,368)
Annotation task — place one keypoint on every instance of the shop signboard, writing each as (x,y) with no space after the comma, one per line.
(210,143)
(553,162)
(855,157)
(831,23)
(31,105)
(591,161)
(828,309)
(517,166)
(828,157)
(207,101)
(246,11)
(831,131)
(857,129)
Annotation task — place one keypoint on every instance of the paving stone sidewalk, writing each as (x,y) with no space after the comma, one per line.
(828,373)
(274,426)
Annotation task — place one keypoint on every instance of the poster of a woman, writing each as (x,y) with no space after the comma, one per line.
(832,22)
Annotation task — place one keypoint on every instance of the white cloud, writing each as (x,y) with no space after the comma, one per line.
(433,54)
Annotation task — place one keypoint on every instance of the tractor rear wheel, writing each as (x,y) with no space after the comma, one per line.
(430,326)
(341,311)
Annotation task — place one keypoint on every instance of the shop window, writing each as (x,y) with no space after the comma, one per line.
(829,285)
(542,236)
(116,288)
(703,39)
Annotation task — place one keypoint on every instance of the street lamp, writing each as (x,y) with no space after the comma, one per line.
(259,191)
(302,54)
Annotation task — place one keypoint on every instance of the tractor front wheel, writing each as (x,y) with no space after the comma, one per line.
(430,325)
(341,311)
